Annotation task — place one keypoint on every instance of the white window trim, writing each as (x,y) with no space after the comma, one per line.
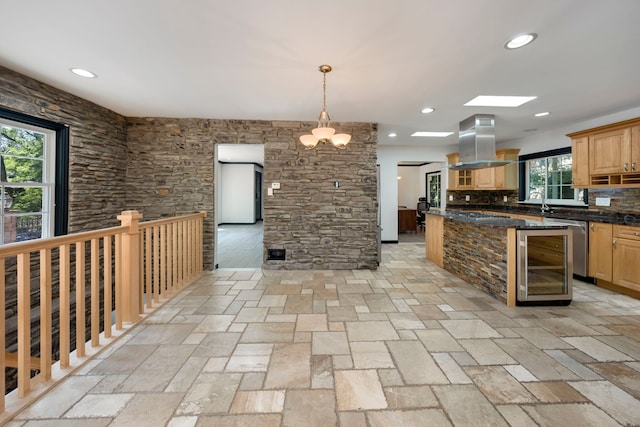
(48,176)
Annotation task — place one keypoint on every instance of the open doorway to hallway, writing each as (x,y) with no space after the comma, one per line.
(239,205)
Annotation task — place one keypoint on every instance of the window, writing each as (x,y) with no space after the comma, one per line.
(546,178)
(33,177)
(434,189)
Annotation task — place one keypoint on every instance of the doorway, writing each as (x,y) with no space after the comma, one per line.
(239,205)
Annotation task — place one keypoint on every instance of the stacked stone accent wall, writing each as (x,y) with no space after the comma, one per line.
(171,171)
(477,254)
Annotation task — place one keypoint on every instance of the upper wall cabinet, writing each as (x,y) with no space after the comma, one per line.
(501,178)
(612,154)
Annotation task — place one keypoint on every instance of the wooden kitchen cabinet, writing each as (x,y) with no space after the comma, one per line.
(434,239)
(600,251)
(626,257)
(580,162)
(607,156)
(459,180)
(610,152)
(500,178)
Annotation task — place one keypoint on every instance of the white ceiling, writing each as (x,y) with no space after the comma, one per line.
(251,59)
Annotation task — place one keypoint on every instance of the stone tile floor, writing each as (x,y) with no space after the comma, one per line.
(406,345)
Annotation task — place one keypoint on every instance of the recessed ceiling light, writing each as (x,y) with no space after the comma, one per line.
(393,135)
(499,101)
(520,41)
(427,110)
(83,73)
(545,113)
(432,134)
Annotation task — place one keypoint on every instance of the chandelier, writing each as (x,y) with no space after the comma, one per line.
(324,132)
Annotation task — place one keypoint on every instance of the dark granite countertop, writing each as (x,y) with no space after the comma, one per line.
(576,214)
(495,220)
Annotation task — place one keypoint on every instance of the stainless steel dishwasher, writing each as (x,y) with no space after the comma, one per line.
(580,232)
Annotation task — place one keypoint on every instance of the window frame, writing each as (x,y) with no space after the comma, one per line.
(428,192)
(523,180)
(60,191)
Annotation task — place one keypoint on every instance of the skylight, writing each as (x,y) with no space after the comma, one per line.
(432,134)
(499,101)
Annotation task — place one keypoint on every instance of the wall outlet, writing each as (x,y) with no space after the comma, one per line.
(269,191)
(451,197)
(467,198)
(603,201)
(505,199)
(275,185)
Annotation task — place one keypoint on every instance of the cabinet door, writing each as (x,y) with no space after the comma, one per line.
(600,247)
(626,263)
(485,179)
(580,162)
(452,176)
(609,151)
(635,149)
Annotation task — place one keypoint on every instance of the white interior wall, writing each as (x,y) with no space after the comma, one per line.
(408,186)
(237,193)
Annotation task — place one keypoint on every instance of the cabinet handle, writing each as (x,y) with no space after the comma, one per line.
(626,167)
(635,233)
(633,166)
(591,225)
(614,242)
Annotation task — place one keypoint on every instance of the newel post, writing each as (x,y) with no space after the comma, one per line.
(130,263)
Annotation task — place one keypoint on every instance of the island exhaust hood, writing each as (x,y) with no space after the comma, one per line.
(477,144)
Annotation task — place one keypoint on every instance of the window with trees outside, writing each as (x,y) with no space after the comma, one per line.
(34,177)
(548,179)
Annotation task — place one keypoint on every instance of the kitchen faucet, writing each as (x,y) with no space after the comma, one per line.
(544,207)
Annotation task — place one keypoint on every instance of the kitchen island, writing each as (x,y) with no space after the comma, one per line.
(479,248)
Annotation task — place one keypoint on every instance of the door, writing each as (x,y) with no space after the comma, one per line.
(434,189)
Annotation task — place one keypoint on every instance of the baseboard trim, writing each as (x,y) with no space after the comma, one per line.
(389,241)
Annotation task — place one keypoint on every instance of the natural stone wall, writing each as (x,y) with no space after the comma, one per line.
(477,254)
(97,152)
(171,171)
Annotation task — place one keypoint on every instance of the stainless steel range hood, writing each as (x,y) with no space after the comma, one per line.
(477,144)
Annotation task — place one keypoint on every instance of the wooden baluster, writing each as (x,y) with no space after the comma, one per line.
(141,282)
(108,295)
(118,282)
(45,314)
(148,260)
(65,318)
(174,260)
(163,259)
(156,264)
(80,299)
(95,292)
(24,324)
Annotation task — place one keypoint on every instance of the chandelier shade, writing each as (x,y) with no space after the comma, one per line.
(324,132)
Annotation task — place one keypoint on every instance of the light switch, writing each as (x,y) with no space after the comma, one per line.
(505,199)
(269,191)
(450,197)
(275,185)
(467,198)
